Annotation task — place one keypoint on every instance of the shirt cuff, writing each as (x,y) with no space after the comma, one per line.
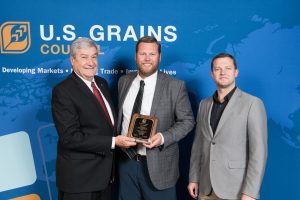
(113,143)
(162,138)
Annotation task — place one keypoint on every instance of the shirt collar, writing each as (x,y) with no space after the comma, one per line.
(226,98)
(84,80)
(150,79)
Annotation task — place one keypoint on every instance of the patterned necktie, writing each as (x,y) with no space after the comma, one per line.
(131,152)
(101,102)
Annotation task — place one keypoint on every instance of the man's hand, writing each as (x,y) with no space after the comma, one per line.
(124,141)
(154,141)
(193,189)
(245,197)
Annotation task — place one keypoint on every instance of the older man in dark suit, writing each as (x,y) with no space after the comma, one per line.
(84,117)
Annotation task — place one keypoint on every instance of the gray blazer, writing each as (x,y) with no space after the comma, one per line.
(232,161)
(172,107)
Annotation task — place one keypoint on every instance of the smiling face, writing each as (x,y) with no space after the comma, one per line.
(85,62)
(147,59)
(224,73)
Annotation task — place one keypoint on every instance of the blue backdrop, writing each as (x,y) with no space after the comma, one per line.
(263,35)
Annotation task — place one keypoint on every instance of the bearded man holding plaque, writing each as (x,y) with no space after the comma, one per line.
(154,108)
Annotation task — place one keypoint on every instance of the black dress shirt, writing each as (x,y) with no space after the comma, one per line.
(218,108)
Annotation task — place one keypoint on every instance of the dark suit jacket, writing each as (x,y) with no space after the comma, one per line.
(84,157)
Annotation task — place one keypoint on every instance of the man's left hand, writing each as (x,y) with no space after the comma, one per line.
(245,197)
(154,141)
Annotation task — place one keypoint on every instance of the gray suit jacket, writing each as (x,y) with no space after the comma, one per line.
(232,161)
(172,107)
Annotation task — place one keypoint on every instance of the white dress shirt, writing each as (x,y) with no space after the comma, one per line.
(149,89)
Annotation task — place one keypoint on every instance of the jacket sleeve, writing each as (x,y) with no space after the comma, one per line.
(258,148)
(194,172)
(184,118)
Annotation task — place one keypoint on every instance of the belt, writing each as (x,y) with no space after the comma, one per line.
(139,157)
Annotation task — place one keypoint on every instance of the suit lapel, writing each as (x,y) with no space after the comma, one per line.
(125,89)
(106,94)
(157,93)
(88,93)
(85,90)
(210,105)
(231,106)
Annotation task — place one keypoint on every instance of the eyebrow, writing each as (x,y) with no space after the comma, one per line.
(83,54)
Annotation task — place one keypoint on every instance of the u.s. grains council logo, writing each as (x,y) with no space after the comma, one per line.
(15,37)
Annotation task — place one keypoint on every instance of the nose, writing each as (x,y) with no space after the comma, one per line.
(222,71)
(147,57)
(90,61)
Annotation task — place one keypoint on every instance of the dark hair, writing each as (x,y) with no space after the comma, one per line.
(147,39)
(223,55)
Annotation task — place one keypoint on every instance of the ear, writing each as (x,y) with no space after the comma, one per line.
(72,60)
(160,57)
(236,73)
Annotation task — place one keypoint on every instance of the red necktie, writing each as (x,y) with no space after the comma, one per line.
(101,102)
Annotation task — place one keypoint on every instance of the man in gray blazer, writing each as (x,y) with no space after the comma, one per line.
(151,170)
(229,152)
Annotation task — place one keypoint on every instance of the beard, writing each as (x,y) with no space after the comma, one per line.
(147,73)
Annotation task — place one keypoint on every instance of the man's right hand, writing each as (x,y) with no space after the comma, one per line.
(193,189)
(124,141)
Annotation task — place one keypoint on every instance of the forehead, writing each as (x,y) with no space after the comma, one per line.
(87,51)
(226,61)
(143,46)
